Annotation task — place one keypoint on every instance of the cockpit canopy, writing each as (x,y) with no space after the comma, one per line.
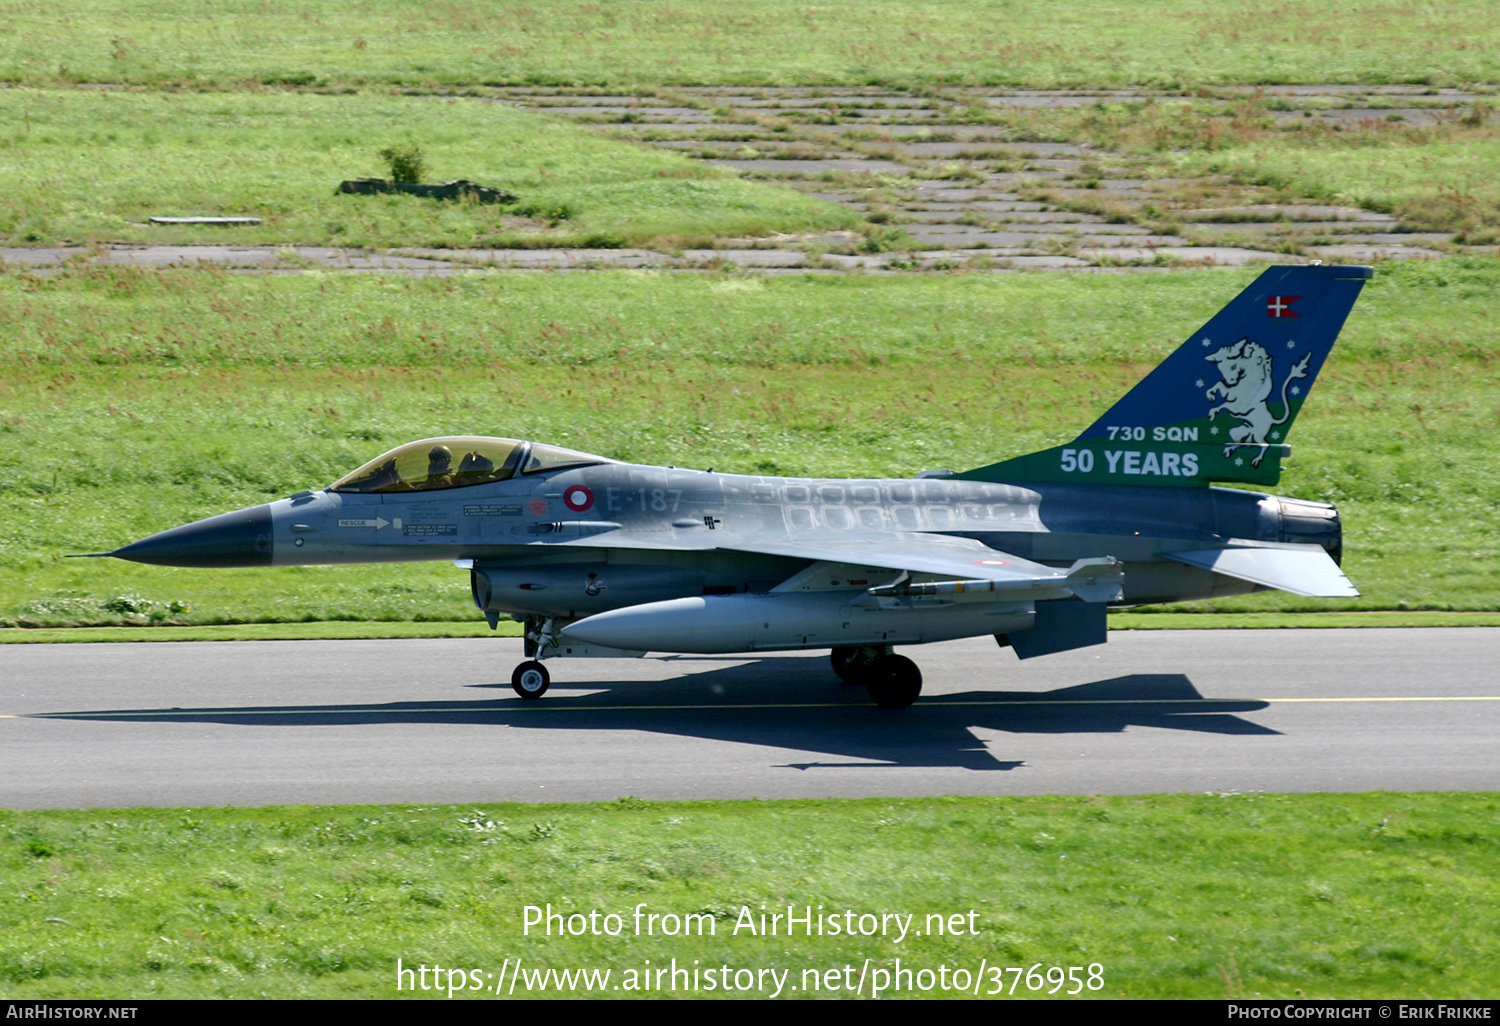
(455,462)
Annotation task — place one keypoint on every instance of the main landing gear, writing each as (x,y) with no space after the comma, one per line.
(894,682)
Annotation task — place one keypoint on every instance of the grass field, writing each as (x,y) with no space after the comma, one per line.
(1213,896)
(85,166)
(323,43)
(137,401)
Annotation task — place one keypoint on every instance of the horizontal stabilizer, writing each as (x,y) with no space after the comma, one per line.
(1299,569)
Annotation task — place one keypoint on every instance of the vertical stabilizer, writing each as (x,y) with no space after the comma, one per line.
(1221,406)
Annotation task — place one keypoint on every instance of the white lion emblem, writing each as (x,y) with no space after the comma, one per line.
(1246,369)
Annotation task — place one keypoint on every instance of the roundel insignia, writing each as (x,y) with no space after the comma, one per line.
(578,498)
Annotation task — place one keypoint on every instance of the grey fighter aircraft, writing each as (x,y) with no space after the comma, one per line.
(604,558)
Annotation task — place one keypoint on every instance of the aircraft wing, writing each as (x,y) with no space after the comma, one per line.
(961,558)
(1300,569)
(968,564)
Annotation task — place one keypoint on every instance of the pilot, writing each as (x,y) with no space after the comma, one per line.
(475,468)
(439,467)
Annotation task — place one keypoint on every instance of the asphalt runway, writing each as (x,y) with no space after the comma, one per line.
(435,721)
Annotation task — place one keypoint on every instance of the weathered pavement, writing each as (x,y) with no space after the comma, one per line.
(252,723)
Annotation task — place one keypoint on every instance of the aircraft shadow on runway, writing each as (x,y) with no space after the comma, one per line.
(786,704)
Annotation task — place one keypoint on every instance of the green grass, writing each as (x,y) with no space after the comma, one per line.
(84,166)
(1213,896)
(326,44)
(315,630)
(163,326)
(1444,184)
(136,401)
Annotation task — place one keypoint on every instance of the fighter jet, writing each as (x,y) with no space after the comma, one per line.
(599,557)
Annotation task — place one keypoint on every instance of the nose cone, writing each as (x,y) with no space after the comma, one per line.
(241,538)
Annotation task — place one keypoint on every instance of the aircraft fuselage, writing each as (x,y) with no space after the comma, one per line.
(582,541)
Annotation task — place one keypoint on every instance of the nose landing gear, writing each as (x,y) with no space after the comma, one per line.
(531,679)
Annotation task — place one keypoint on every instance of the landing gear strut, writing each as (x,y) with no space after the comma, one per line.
(531,679)
(853,664)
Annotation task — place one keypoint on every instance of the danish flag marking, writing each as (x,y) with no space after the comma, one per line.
(1281,306)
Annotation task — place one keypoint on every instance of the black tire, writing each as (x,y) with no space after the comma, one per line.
(531,679)
(894,682)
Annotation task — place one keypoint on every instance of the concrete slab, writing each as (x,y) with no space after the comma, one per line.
(547,257)
(1049,100)
(999,203)
(1289,211)
(853,262)
(1125,196)
(1402,238)
(591,100)
(940,190)
(704,130)
(747,257)
(791,167)
(1063,230)
(1342,89)
(1117,239)
(892,113)
(40,256)
(1042,263)
(834,197)
(1364,254)
(942,150)
(1358,115)
(842,100)
(949,217)
(754,149)
(1224,256)
(962,132)
(256,256)
(991,253)
(1283,227)
(1043,216)
(1020,219)
(974,239)
(1014,178)
(167,256)
(647,114)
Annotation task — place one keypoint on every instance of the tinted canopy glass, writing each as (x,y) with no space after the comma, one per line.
(551,457)
(435,463)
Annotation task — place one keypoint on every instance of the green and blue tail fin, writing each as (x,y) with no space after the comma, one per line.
(1221,406)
